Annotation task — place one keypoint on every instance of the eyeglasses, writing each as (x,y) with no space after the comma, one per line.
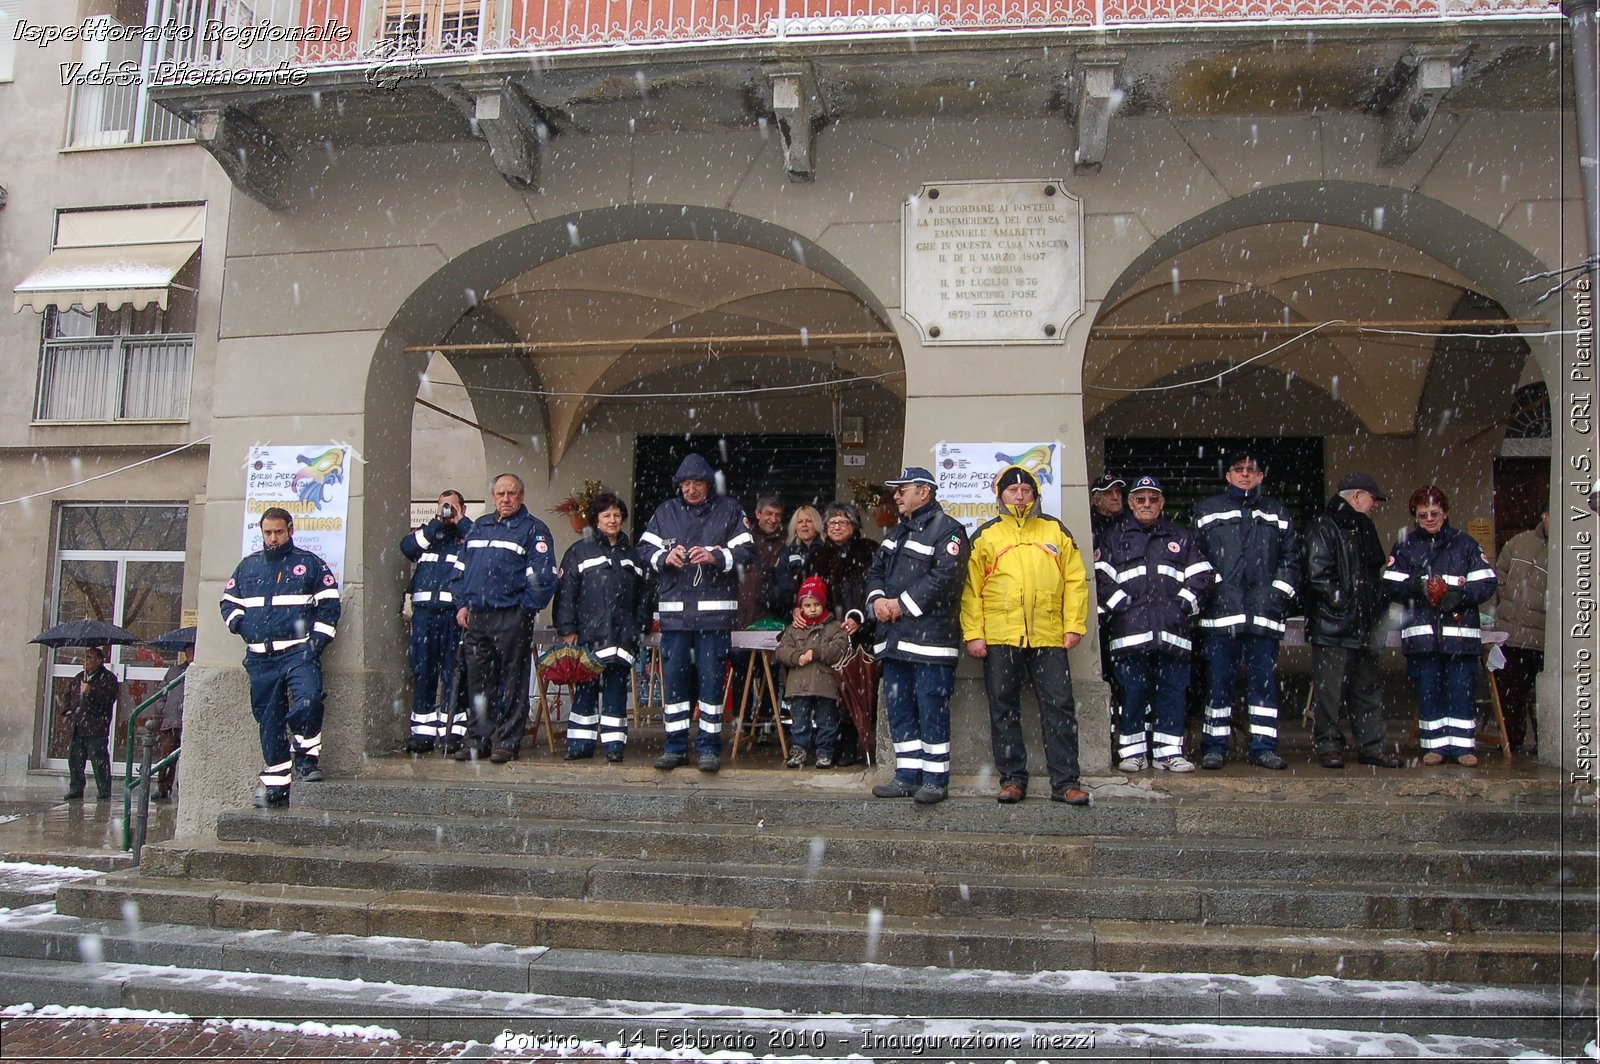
(1429,515)
(840,522)
(901,489)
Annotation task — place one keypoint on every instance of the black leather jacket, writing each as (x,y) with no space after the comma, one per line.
(1344,573)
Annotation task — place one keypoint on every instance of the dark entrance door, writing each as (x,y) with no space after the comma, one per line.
(1190,469)
(798,467)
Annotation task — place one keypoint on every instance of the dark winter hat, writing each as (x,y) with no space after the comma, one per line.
(912,474)
(1147,484)
(1016,475)
(813,587)
(694,467)
(1359,481)
(1106,482)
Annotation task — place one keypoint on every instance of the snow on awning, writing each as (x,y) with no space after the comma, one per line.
(110,258)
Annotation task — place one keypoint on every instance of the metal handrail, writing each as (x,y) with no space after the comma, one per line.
(130,780)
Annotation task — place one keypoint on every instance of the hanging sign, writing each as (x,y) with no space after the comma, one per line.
(966,473)
(309,481)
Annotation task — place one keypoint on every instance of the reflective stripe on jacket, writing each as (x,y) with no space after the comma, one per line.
(602,597)
(1151,581)
(1251,541)
(278,603)
(1456,557)
(699,598)
(435,547)
(923,564)
(506,562)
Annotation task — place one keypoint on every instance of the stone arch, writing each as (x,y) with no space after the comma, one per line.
(449,307)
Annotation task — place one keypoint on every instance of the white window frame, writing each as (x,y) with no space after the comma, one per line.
(125,671)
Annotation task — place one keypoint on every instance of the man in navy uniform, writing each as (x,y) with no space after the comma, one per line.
(505,575)
(435,635)
(698,542)
(284,603)
(914,591)
(1250,539)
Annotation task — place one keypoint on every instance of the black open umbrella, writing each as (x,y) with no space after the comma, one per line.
(173,641)
(85,634)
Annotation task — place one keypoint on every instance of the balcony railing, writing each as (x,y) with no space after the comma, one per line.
(265,34)
(115,378)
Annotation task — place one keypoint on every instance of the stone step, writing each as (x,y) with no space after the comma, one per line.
(45,950)
(1048,943)
(1272,901)
(1353,814)
(821,846)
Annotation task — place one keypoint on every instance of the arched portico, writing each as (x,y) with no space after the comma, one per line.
(1341,297)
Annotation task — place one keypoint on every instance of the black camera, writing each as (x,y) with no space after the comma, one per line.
(446,511)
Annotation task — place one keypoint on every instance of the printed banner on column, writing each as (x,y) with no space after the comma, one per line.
(311,482)
(966,473)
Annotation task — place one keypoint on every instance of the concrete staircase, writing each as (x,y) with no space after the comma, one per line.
(1408,876)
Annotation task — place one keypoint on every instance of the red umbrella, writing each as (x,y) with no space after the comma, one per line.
(858,677)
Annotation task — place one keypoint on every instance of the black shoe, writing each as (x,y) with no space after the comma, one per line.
(469,752)
(709,763)
(275,798)
(310,774)
(893,789)
(668,762)
(928,794)
(1213,760)
(161,796)
(614,757)
(1331,760)
(453,747)
(845,760)
(414,745)
(1381,760)
(103,796)
(575,755)
(72,796)
(1268,760)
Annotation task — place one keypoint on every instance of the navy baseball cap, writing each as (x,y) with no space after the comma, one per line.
(912,474)
(1147,484)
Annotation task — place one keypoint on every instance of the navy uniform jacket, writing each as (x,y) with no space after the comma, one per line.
(699,598)
(1250,538)
(603,597)
(506,562)
(1151,582)
(435,547)
(923,563)
(1452,626)
(275,603)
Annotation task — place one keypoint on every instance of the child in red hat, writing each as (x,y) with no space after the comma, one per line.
(810,648)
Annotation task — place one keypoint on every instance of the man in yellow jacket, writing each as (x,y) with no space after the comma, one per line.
(1025,604)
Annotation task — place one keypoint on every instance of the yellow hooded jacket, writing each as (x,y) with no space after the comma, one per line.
(1026,585)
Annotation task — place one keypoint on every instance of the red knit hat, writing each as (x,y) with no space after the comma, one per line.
(813,588)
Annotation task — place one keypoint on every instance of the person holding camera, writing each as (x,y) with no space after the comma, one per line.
(435,635)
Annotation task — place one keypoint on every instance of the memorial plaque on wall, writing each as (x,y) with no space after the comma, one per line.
(992,262)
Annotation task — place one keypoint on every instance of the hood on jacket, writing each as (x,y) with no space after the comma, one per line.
(1014,474)
(694,467)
